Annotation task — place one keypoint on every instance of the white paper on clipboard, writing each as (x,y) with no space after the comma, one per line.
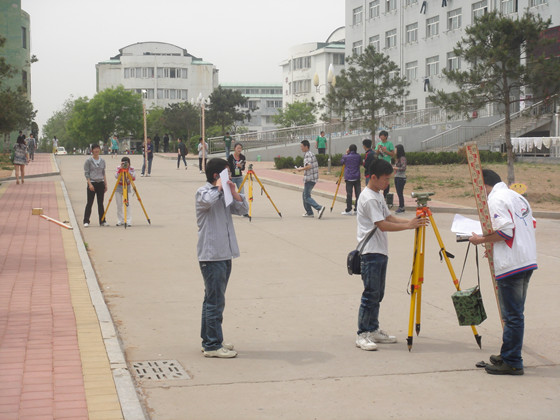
(464,225)
(224,177)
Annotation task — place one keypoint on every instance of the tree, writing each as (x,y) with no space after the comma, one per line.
(181,119)
(154,121)
(16,110)
(296,114)
(57,125)
(370,86)
(503,57)
(224,108)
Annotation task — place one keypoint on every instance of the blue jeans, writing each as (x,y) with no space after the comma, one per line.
(308,201)
(216,275)
(179,157)
(512,291)
(238,180)
(374,270)
(149,166)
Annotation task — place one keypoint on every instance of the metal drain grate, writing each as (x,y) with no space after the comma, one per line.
(160,370)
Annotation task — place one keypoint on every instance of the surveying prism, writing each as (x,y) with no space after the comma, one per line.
(417,275)
(249,176)
(125,180)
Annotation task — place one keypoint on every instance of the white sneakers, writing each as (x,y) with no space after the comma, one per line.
(366,340)
(222,353)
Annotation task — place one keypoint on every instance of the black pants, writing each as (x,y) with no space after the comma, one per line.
(200,163)
(99,191)
(179,160)
(356,186)
(399,186)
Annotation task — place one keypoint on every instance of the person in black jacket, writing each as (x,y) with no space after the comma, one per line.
(236,162)
(181,152)
(369,157)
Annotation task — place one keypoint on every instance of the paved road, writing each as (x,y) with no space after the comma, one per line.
(291,312)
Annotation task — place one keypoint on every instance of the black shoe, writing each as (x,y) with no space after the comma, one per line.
(496,359)
(503,369)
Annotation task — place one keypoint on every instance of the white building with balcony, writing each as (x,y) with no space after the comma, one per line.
(419,36)
(308,60)
(167,73)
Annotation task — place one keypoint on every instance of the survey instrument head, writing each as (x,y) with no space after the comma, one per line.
(422,198)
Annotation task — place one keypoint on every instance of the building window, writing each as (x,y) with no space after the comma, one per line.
(274,104)
(412,33)
(454,19)
(357,15)
(24,37)
(338,59)
(411,105)
(432,26)
(302,63)
(480,8)
(390,5)
(391,38)
(410,2)
(453,62)
(374,9)
(508,6)
(432,66)
(411,70)
(148,72)
(357,48)
(533,3)
(374,41)
(302,86)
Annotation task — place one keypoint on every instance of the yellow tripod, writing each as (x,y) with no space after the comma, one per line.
(417,280)
(338,185)
(124,179)
(249,176)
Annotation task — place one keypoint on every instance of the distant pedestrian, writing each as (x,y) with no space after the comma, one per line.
(150,157)
(31,146)
(217,246)
(94,171)
(21,158)
(310,178)
(385,150)
(321,143)
(165,143)
(156,142)
(114,146)
(202,153)
(237,162)
(124,167)
(55,144)
(352,177)
(181,152)
(20,136)
(368,159)
(227,143)
(400,175)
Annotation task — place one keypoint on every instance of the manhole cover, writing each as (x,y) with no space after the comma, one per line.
(160,370)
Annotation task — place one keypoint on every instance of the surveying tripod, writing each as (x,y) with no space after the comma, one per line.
(249,176)
(417,279)
(124,179)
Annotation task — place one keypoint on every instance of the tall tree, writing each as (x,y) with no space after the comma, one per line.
(181,120)
(154,121)
(368,88)
(296,114)
(224,108)
(56,125)
(503,56)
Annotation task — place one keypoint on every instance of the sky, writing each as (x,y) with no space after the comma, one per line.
(245,39)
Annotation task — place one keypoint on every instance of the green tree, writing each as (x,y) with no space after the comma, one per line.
(502,57)
(154,121)
(181,120)
(57,125)
(16,110)
(296,114)
(370,86)
(224,108)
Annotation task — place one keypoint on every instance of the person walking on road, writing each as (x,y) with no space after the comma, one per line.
(202,151)
(94,171)
(114,146)
(515,259)
(400,176)
(31,146)
(310,178)
(217,246)
(374,216)
(165,143)
(181,152)
(352,177)
(21,158)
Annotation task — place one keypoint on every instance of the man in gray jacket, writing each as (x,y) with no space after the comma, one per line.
(94,171)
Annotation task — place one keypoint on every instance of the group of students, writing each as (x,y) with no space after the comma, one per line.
(23,153)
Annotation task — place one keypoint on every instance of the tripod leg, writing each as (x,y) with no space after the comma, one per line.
(268,196)
(112,195)
(477,337)
(420,280)
(243,182)
(250,195)
(414,283)
(125,200)
(139,199)
(338,186)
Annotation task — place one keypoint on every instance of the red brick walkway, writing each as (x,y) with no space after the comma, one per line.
(40,366)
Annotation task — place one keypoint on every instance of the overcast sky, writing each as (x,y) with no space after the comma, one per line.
(245,39)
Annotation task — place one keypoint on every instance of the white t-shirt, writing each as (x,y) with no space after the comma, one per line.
(371,209)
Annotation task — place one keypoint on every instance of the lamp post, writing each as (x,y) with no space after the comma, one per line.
(203,102)
(331,81)
(144,95)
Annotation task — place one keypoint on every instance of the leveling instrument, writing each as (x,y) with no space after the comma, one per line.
(249,176)
(417,277)
(125,179)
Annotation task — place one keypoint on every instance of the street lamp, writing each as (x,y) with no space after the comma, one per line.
(203,102)
(331,81)
(144,96)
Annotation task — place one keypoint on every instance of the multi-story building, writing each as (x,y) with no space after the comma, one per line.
(164,73)
(419,35)
(308,62)
(263,102)
(15,27)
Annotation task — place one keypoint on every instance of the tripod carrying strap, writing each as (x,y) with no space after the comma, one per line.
(465,262)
